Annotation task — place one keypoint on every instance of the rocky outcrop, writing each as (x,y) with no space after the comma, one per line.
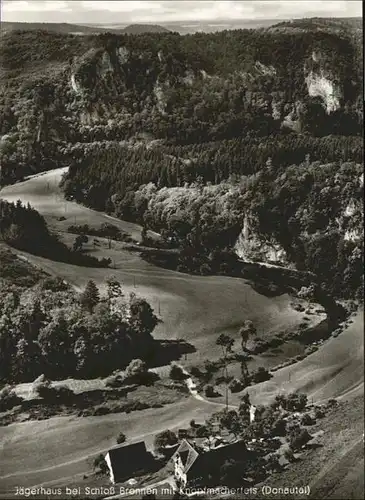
(319,85)
(251,246)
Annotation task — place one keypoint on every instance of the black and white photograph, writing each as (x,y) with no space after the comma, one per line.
(181,250)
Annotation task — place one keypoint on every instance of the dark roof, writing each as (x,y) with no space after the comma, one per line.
(196,458)
(187,453)
(128,458)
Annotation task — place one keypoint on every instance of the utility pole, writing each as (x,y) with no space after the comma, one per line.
(159,308)
(134,281)
(226,388)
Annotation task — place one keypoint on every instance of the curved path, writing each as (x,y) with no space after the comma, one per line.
(194,392)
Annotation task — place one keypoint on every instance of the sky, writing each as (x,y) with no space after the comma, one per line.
(155,11)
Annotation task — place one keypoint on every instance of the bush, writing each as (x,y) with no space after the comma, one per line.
(223,379)
(202,431)
(279,427)
(121,438)
(210,367)
(163,439)
(114,381)
(137,372)
(307,420)
(294,402)
(54,284)
(210,391)
(177,374)
(50,394)
(236,385)
(260,375)
(195,372)
(101,410)
(8,398)
(289,455)
(272,463)
(100,464)
(298,437)
(319,412)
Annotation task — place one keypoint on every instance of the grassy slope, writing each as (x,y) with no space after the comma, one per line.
(336,370)
(28,460)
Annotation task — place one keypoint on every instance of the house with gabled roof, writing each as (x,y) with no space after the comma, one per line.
(127,461)
(193,463)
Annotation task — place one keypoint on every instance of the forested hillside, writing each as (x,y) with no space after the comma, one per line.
(210,139)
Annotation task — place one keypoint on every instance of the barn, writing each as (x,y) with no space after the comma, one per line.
(127,461)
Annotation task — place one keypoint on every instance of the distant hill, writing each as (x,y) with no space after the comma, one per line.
(321,23)
(136,29)
(78,29)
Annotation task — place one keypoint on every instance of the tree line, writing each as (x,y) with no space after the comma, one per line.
(62,334)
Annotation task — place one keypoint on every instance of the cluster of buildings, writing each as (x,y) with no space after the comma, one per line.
(192,460)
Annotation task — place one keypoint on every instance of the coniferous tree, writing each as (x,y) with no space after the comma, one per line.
(90,297)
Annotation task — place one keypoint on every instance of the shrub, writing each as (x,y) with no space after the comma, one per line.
(307,420)
(294,402)
(210,367)
(114,381)
(8,398)
(121,438)
(101,410)
(163,439)
(137,373)
(210,391)
(279,427)
(43,388)
(298,437)
(272,463)
(100,464)
(202,431)
(176,373)
(50,394)
(236,385)
(223,379)
(319,412)
(195,372)
(289,455)
(54,284)
(261,375)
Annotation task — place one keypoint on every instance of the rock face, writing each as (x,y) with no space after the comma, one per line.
(251,246)
(321,86)
(322,82)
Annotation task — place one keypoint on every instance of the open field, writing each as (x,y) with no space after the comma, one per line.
(336,370)
(60,450)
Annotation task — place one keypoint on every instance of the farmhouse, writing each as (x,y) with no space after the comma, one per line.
(127,461)
(194,463)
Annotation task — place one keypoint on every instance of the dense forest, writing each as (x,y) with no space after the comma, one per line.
(194,135)
(63,91)
(51,330)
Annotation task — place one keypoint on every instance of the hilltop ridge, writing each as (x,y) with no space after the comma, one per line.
(80,29)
